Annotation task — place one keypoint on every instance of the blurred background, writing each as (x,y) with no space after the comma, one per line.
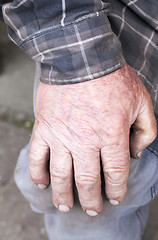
(17,221)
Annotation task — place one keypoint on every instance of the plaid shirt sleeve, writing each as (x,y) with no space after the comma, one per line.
(72,39)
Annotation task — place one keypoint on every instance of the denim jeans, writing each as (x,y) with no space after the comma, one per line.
(124,222)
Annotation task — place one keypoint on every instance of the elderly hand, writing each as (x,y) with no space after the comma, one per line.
(78,124)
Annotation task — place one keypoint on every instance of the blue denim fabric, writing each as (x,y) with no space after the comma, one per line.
(124,222)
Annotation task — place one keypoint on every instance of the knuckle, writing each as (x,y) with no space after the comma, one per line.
(42,119)
(36,167)
(36,175)
(117,177)
(38,142)
(37,171)
(59,175)
(116,124)
(87,180)
(35,160)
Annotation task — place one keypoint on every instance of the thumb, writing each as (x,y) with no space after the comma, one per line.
(144,129)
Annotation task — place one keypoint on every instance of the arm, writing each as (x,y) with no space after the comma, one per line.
(73,40)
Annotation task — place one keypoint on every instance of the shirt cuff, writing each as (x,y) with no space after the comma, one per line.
(79,51)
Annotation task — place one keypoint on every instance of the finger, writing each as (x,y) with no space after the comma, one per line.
(115,160)
(144,129)
(87,178)
(38,162)
(61,179)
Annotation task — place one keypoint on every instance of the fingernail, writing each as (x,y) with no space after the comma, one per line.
(139,154)
(91,213)
(42,186)
(114,202)
(64,208)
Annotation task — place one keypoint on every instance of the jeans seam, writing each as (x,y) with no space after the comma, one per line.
(153,150)
(154,192)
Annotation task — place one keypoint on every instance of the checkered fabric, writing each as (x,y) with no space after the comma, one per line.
(136,25)
(76,40)
(71,39)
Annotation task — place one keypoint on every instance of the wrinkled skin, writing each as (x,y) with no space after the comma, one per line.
(78,124)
